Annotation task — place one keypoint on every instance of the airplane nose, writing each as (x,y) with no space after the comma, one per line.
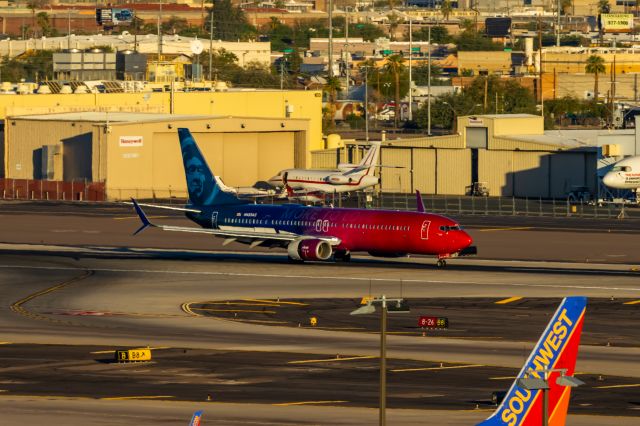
(609,179)
(465,240)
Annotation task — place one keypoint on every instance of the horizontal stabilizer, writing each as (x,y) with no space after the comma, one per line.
(143,218)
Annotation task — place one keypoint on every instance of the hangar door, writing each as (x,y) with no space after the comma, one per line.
(476,137)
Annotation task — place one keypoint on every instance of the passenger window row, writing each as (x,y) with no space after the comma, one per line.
(278,222)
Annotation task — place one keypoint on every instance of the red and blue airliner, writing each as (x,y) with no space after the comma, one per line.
(309,233)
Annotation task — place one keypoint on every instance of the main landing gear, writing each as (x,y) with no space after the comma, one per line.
(441,263)
(342,256)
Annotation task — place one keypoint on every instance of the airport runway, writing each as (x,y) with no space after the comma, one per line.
(78,278)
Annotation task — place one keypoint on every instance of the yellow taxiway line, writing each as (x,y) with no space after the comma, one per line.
(241,304)
(509,300)
(142,347)
(515,228)
(116,398)
(635,385)
(276,301)
(245,311)
(311,361)
(633,302)
(402,370)
(285,404)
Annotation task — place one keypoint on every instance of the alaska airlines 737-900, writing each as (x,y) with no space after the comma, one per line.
(309,233)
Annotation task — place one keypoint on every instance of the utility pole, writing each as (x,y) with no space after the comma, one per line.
(410,69)
(366,103)
(69,29)
(211,42)
(346,58)
(383,362)
(429,84)
(558,24)
(330,38)
(540,64)
(159,39)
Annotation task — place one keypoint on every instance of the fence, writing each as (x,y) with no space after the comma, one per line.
(30,189)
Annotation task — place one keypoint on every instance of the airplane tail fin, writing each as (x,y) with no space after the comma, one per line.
(203,188)
(370,159)
(196,419)
(419,204)
(556,350)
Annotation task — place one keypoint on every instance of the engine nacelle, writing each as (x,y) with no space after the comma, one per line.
(369,180)
(309,249)
(338,179)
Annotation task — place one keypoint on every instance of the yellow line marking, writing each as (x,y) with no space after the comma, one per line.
(285,404)
(515,228)
(5,343)
(232,310)
(401,370)
(258,321)
(241,304)
(136,217)
(636,385)
(113,350)
(276,301)
(633,302)
(509,300)
(310,361)
(186,307)
(115,398)
(502,378)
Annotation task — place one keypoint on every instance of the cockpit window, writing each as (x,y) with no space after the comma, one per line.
(451,228)
(621,169)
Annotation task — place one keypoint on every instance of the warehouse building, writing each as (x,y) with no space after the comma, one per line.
(511,155)
(138,155)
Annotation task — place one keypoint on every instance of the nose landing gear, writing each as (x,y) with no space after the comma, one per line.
(441,263)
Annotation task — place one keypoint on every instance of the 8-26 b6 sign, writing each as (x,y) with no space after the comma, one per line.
(433,322)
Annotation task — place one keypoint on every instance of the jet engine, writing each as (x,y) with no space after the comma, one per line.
(338,179)
(309,249)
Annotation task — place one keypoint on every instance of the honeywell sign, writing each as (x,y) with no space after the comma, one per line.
(130,140)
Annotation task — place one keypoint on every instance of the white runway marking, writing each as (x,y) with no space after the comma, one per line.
(317,277)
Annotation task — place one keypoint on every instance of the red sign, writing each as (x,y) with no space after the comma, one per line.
(433,322)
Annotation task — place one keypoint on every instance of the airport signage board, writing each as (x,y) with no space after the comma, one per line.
(433,322)
(131,140)
(616,22)
(112,17)
(133,355)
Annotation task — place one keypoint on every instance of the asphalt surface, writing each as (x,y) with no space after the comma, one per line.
(612,321)
(277,378)
(74,276)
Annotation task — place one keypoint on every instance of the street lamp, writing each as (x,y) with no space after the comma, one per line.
(537,383)
(397,306)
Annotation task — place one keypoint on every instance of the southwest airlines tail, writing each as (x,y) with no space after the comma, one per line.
(203,188)
(196,419)
(557,349)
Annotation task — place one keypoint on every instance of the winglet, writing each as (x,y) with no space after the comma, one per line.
(143,218)
(419,203)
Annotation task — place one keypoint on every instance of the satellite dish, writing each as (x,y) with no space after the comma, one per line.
(196,47)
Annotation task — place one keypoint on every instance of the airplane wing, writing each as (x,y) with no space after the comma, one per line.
(255,238)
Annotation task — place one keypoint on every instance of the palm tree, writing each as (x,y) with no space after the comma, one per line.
(332,87)
(395,65)
(604,6)
(446,9)
(595,66)
(394,22)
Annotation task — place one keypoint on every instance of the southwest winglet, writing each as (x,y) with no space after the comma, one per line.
(419,203)
(143,218)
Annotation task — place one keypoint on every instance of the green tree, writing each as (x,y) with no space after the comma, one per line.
(395,66)
(439,34)
(224,64)
(565,6)
(174,25)
(394,22)
(42,19)
(34,65)
(229,22)
(280,35)
(256,74)
(332,87)
(604,6)
(595,66)
(421,75)
(474,41)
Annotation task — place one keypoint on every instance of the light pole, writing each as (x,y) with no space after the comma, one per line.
(537,383)
(410,69)
(370,308)
(366,103)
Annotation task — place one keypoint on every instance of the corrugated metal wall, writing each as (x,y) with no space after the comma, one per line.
(424,170)
(396,176)
(567,172)
(454,171)
(495,168)
(531,174)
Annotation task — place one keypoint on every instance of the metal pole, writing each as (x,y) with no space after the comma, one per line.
(68,28)
(159,39)
(330,38)
(429,85)
(410,70)
(545,403)
(383,362)
(211,43)
(346,58)
(557,25)
(366,103)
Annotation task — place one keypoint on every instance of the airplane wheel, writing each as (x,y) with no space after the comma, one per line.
(441,263)
(343,256)
(292,260)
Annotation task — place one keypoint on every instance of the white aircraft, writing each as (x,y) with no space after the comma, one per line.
(625,174)
(313,185)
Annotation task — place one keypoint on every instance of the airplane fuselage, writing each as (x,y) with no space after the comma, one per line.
(324,180)
(379,232)
(625,174)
